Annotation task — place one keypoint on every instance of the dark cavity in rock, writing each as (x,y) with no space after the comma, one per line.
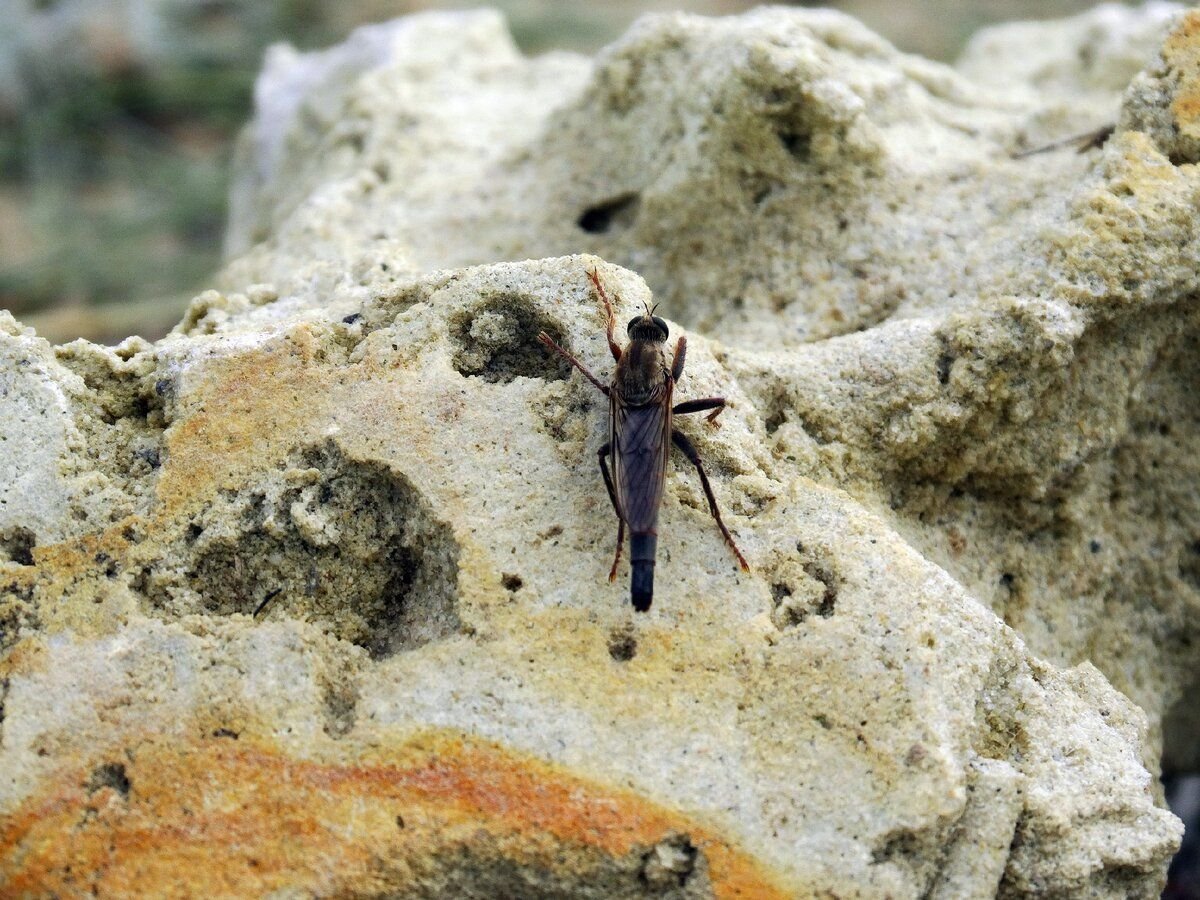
(109,775)
(497,341)
(622,645)
(615,213)
(16,545)
(355,547)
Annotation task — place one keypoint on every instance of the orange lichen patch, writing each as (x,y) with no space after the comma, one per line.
(86,553)
(1181,51)
(252,413)
(229,817)
(82,568)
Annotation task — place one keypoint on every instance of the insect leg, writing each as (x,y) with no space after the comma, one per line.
(610,317)
(694,458)
(677,360)
(612,495)
(1091,140)
(612,573)
(548,342)
(608,482)
(716,404)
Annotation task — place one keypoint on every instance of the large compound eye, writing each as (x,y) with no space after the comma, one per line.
(662,326)
(632,322)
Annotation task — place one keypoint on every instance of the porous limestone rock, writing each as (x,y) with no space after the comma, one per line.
(309,596)
(1015,336)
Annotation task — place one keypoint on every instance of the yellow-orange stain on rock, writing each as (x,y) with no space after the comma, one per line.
(252,414)
(1181,50)
(232,817)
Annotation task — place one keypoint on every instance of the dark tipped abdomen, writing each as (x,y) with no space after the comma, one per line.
(641,586)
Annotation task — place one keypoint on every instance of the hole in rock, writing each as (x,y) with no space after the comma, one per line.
(622,645)
(944,364)
(896,844)
(775,409)
(915,853)
(829,597)
(497,341)
(16,545)
(669,864)
(801,585)
(775,418)
(355,547)
(479,867)
(616,212)
(109,775)
(797,142)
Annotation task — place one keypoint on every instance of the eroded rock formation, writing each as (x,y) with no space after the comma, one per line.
(310,594)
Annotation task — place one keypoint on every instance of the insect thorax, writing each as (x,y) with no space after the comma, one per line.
(642,373)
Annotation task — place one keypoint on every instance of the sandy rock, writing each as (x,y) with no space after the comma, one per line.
(309,596)
(1014,335)
(1164,100)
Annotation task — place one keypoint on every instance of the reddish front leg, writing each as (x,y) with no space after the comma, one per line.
(678,360)
(610,317)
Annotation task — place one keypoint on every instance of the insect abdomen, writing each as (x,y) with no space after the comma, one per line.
(641,553)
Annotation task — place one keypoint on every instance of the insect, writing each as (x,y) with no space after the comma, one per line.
(640,412)
(1091,140)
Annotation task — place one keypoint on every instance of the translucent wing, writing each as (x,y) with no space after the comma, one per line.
(641,438)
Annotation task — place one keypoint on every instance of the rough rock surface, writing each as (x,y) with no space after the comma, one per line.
(309,596)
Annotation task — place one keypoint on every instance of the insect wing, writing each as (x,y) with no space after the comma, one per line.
(641,436)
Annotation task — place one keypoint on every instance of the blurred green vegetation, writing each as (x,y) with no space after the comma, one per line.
(115,135)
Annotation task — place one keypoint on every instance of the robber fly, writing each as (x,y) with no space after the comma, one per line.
(639,430)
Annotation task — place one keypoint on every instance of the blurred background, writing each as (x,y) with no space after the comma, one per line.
(117,119)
